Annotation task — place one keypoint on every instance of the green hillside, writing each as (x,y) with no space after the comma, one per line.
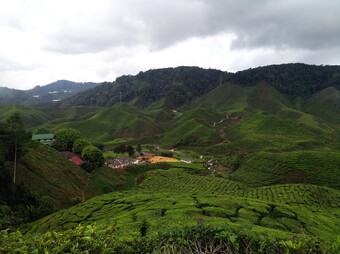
(179,198)
(48,173)
(119,121)
(309,167)
(325,104)
(34,117)
(266,145)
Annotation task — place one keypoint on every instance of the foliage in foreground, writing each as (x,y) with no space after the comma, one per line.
(194,239)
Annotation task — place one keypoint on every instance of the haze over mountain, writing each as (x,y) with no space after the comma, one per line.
(59,90)
(55,91)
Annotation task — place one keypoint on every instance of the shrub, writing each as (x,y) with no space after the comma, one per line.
(65,138)
(88,166)
(93,155)
(167,154)
(79,145)
(75,201)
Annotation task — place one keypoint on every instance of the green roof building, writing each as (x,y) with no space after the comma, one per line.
(46,139)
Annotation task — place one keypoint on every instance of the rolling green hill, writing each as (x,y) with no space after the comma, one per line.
(179,198)
(325,104)
(34,117)
(119,121)
(48,173)
(273,137)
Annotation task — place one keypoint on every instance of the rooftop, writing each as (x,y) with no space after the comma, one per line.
(42,136)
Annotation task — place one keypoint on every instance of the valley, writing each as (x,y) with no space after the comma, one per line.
(264,147)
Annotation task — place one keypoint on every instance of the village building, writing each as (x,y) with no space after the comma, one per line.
(121,162)
(76,160)
(185,160)
(46,139)
(68,154)
(148,154)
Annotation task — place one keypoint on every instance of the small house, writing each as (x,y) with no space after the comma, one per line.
(185,160)
(76,160)
(148,154)
(68,154)
(46,139)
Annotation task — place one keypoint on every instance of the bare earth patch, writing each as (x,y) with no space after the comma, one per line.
(157,159)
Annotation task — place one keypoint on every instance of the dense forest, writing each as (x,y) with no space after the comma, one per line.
(178,86)
(291,79)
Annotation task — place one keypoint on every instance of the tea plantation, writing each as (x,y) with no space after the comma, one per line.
(172,208)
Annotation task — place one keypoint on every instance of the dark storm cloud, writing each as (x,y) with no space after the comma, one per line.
(304,24)
(299,24)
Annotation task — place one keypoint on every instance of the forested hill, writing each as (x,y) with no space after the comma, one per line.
(173,87)
(14,96)
(291,79)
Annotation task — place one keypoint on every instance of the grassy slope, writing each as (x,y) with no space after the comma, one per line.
(121,120)
(225,98)
(192,128)
(325,105)
(319,168)
(178,197)
(48,173)
(34,117)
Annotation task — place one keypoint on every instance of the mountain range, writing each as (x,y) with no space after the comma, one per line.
(39,95)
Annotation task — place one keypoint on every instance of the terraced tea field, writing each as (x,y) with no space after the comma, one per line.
(184,197)
(321,168)
(182,181)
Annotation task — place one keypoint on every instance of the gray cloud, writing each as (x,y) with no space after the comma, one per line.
(310,24)
(299,24)
(98,40)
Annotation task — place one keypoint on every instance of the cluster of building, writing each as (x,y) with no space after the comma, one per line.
(119,162)
(122,162)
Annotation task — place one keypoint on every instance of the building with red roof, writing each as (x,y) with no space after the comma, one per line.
(76,160)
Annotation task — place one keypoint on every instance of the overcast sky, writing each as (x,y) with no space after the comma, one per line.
(98,40)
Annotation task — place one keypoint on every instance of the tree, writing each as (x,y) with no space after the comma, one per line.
(17,138)
(88,166)
(65,138)
(130,150)
(93,155)
(99,146)
(120,149)
(139,148)
(79,145)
